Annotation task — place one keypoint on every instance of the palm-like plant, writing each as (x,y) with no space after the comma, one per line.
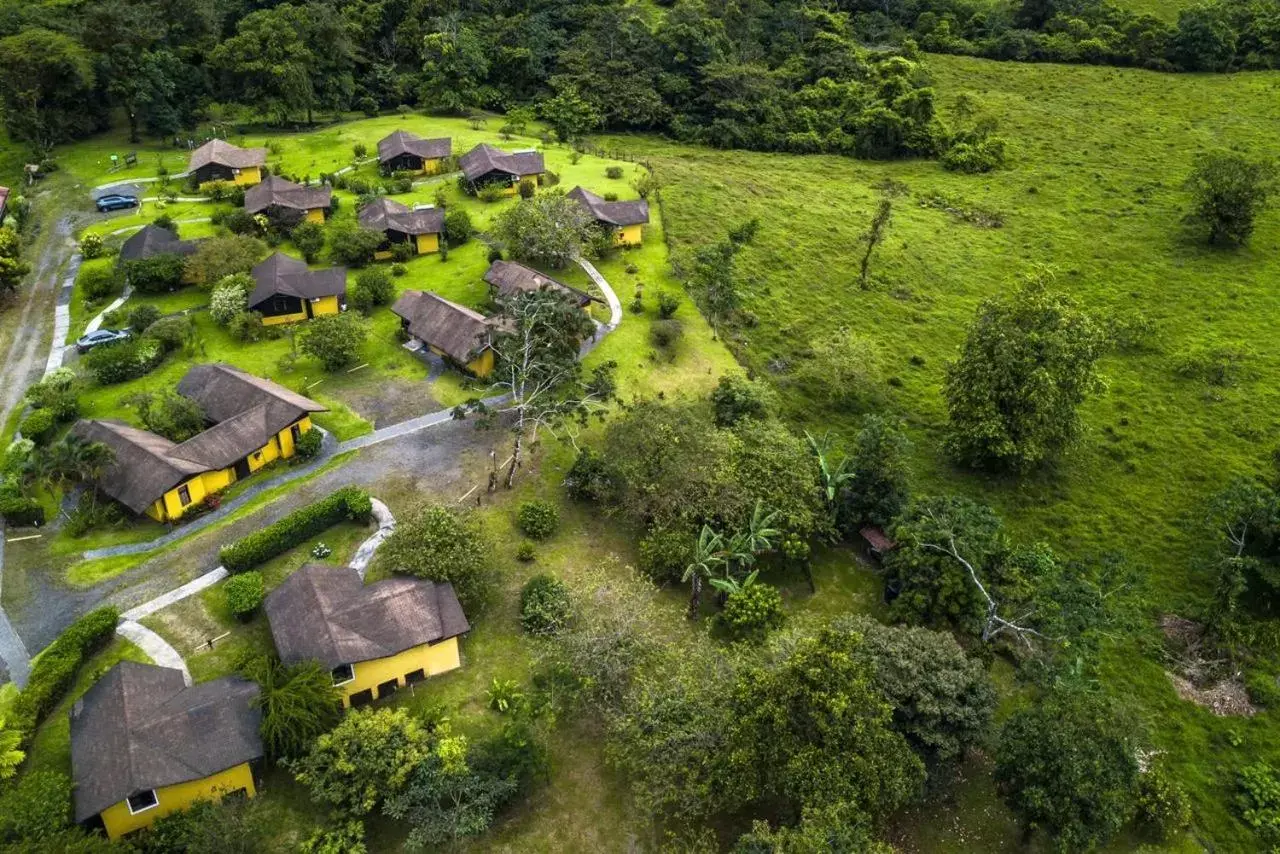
(832,476)
(10,756)
(708,556)
(730,585)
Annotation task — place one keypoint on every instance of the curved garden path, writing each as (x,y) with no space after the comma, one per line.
(162,652)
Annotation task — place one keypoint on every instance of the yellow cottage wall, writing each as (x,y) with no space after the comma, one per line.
(247,177)
(431,658)
(118,821)
(428,243)
(170,507)
(284,318)
(482,365)
(315,215)
(325,305)
(629,235)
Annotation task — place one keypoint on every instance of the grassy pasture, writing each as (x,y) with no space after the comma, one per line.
(1095,191)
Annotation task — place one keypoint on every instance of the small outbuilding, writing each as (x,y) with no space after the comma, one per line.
(144,744)
(625,220)
(509,279)
(486,166)
(419,226)
(288,203)
(152,240)
(404,152)
(877,541)
(449,330)
(373,638)
(287,290)
(219,160)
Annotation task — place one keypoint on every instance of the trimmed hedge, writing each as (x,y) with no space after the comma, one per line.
(299,526)
(38,426)
(245,593)
(56,668)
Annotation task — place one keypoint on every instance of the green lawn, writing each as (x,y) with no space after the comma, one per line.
(1095,191)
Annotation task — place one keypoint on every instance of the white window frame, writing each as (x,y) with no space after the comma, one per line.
(351,667)
(154,797)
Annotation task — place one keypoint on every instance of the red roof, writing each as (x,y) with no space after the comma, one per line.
(877,539)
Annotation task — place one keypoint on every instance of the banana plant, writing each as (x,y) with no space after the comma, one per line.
(832,476)
(728,585)
(708,556)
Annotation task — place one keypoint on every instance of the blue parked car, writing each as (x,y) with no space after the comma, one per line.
(115,202)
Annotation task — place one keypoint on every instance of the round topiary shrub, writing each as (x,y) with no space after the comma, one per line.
(614,172)
(244,593)
(308,444)
(545,606)
(91,246)
(38,426)
(538,519)
(752,611)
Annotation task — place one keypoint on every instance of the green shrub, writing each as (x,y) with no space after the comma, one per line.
(35,808)
(157,274)
(299,526)
(351,244)
(21,512)
(442,544)
(614,172)
(1259,801)
(373,288)
(666,334)
(401,252)
(336,340)
(588,478)
(1163,804)
(752,611)
(668,304)
(97,283)
(345,838)
(664,554)
(170,332)
(527,189)
(243,223)
(246,326)
(458,227)
(309,238)
(142,317)
(491,193)
(91,246)
(308,444)
(545,606)
(58,392)
(123,361)
(399,270)
(54,671)
(525,551)
(38,426)
(244,593)
(975,157)
(538,519)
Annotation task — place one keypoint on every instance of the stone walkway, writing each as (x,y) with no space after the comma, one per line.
(62,317)
(156,647)
(615,306)
(163,653)
(13,652)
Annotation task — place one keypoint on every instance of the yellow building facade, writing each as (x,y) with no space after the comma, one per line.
(321,306)
(629,235)
(249,176)
(119,820)
(402,669)
(178,501)
(315,215)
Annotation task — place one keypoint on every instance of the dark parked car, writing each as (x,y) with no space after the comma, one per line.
(115,202)
(102,336)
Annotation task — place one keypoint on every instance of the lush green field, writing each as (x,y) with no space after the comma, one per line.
(1094,191)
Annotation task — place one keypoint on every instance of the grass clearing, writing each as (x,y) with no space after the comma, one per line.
(1095,190)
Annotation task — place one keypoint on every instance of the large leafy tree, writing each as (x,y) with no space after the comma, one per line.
(820,734)
(548,229)
(46,87)
(537,366)
(442,544)
(1228,192)
(455,67)
(368,757)
(1028,363)
(877,489)
(1067,765)
(268,62)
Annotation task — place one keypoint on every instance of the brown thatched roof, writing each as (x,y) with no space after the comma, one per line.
(512,279)
(281,274)
(224,392)
(224,153)
(240,435)
(143,469)
(277,192)
(455,330)
(387,215)
(484,159)
(328,614)
(611,213)
(152,240)
(140,727)
(403,142)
